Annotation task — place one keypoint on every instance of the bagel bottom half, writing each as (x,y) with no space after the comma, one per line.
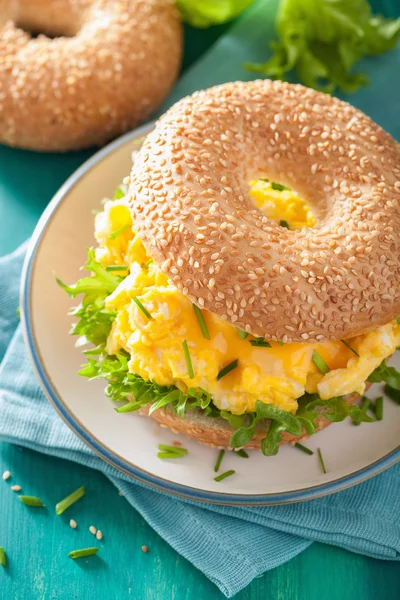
(216,432)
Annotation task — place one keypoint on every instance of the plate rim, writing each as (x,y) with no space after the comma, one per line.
(101,450)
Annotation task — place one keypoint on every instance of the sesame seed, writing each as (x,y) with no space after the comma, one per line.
(16,488)
(99,535)
(93,529)
(6,475)
(73,524)
(145,549)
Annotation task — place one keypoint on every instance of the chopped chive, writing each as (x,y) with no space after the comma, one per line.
(117,268)
(242,334)
(265,180)
(173,449)
(3,559)
(141,307)
(398,320)
(242,453)
(283,223)
(365,404)
(69,500)
(169,455)
(84,552)
(18,311)
(224,475)
(260,342)
(202,323)
(350,348)
(280,343)
(219,460)
(227,369)
(148,262)
(188,359)
(119,231)
(321,460)
(31,501)
(278,186)
(120,192)
(303,448)
(392,393)
(319,362)
(378,408)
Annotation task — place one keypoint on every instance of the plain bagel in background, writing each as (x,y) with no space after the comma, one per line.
(77,73)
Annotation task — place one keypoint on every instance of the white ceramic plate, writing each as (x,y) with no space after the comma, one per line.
(128,441)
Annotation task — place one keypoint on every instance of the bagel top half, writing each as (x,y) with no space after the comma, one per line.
(191,206)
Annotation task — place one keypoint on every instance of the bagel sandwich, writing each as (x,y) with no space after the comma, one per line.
(244,289)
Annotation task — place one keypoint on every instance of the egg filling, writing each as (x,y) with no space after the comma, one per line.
(154,320)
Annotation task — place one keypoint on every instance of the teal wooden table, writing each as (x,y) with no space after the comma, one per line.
(37,542)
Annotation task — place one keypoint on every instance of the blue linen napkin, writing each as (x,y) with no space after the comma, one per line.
(230,545)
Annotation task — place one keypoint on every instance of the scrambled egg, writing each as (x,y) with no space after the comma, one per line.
(278,375)
(281,204)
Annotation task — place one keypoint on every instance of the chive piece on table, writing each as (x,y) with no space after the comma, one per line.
(227,369)
(141,307)
(119,231)
(350,348)
(69,500)
(260,342)
(319,362)
(169,455)
(117,268)
(392,393)
(242,334)
(321,460)
(202,323)
(83,552)
(188,359)
(31,501)
(378,408)
(3,559)
(242,453)
(219,460)
(303,448)
(283,223)
(224,475)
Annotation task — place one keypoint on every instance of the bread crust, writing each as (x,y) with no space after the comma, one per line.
(114,66)
(216,432)
(191,206)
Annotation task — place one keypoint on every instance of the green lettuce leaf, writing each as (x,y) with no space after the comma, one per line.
(203,13)
(321,40)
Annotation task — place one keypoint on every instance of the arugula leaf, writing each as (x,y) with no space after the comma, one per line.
(203,13)
(389,375)
(322,41)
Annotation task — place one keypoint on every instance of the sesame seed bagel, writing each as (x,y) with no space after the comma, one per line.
(113,64)
(191,206)
(217,431)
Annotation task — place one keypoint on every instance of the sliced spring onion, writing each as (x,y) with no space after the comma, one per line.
(261,343)
(224,475)
(242,453)
(242,334)
(141,307)
(3,559)
(69,500)
(283,223)
(278,186)
(321,460)
(303,448)
(148,262)
(319,362)
(219,460)
(31,501)
(174,449)
(188,359)
(227,369)
(202,323)
(119,231)
(117,268)
(83,552)
(350,348)
(378,408)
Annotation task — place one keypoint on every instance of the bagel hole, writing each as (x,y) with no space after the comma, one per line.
(54,27)
(281,204)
